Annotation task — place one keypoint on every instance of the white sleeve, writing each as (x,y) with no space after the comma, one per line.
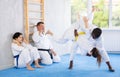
(99,43)
(24,45)
(88,34)
(90,18)
(17,48)
(36,37)
(82,24)
(29,46)
(69,33)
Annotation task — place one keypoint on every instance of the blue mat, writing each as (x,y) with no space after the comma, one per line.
(83,67)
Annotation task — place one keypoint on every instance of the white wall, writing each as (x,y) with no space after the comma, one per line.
(11,20)
(57,16)
(58,19)
(112,40)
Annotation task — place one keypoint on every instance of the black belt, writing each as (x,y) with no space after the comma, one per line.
(44,50)
(17,57)
(47,51)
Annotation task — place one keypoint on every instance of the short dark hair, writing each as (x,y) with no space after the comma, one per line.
(96,33)
(16,35)
(39,23)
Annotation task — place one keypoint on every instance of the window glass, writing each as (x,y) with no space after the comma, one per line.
(116,13)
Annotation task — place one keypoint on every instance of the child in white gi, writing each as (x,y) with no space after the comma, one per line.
(24,54)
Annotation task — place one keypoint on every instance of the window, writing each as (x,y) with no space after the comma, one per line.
(116,13)
(101,15)
(77,6)
(106,15)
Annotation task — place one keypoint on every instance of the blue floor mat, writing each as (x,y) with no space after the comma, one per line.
(83,67)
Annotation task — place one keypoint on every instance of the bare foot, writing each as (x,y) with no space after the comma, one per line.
(38,66)
(30,68)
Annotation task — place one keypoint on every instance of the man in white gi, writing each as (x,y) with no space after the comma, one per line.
(24,54)
(43,43)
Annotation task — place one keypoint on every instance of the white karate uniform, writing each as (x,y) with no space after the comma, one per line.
(98,43)
(27,54)
(82,44)
(86,44)
(79,45)
(90,18)
(69,33)
(42,42)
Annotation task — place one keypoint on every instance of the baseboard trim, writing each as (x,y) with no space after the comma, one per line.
(114,52)
(6,66)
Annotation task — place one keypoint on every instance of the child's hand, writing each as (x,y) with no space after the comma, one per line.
(16,42)
(75,33)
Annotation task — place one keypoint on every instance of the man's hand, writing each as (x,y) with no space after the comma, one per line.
(53,52)
(49,32)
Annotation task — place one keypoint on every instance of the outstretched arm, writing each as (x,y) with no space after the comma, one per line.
(49,32)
